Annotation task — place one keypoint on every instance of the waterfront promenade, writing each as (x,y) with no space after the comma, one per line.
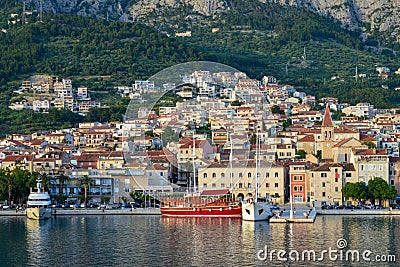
(64,212)
(284,217)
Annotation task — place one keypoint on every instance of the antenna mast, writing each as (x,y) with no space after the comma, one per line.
(230,164)
(194,164)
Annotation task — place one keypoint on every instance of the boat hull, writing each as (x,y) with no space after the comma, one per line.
(218,212)
(255,211)
(38,213)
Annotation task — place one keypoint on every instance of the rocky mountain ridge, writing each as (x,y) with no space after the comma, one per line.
(371,16)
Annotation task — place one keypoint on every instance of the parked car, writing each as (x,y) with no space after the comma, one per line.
(368,206)
(379,207)
(126,206)
(66,205)
(4,207)
(93,205)
(395,206)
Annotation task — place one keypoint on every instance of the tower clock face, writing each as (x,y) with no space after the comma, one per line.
(328,145)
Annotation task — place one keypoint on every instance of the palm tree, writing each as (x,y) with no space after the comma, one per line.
(45,180)
(86,181)
(6,184)
(62,179)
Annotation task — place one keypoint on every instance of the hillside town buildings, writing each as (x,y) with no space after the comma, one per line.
(207,140)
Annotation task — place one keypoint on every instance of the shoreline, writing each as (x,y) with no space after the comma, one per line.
(156,211)
(68,212)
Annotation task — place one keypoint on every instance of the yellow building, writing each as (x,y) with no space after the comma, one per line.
(271,178)
(325,183)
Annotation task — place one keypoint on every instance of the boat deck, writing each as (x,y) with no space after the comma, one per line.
(302,216)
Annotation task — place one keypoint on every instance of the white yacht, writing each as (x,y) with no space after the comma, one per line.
(39,204)
(256,211)
(252,210)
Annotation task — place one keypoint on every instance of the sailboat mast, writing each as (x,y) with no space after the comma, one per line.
(230,164)
(256,158)
(194,164)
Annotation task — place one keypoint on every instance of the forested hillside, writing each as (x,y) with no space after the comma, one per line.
(297,47)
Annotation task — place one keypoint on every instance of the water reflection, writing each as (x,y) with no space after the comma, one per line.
(159,241)
(37,235)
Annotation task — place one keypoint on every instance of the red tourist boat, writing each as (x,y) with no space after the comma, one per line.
(210,203)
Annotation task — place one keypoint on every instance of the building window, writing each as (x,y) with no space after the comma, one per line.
(323,184)
(276,175)
(267,175)
(295,189)
(249,185)
(336,180)
(240,185)
(222,185)
(295,178)
(336,189)
(214,175)
(276,185)
(249,175)
(204,185)
(348,174)
(267,185)
(222,175)
(391,182)
(323,194)
(205,175)
(323,175)
(300,189)
(214,185)
(240,175)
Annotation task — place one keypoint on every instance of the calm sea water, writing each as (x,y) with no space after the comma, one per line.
(158,241)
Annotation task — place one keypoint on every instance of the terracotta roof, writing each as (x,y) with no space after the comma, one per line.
(371,151)
(14,158)
(307,138)
(344,141)
(364,138)
(44,160)
(327,120)
(348,167)
(344,129)
(326,167)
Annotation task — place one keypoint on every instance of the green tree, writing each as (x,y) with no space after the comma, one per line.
(105,199)
(370,144)
(85,181)
(169,135)
(277,110)
(356,191)
(380,189)
(301,154)
(63,179)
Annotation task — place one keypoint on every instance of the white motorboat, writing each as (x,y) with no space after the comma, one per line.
(252,210)
(39,204)
(256,211)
